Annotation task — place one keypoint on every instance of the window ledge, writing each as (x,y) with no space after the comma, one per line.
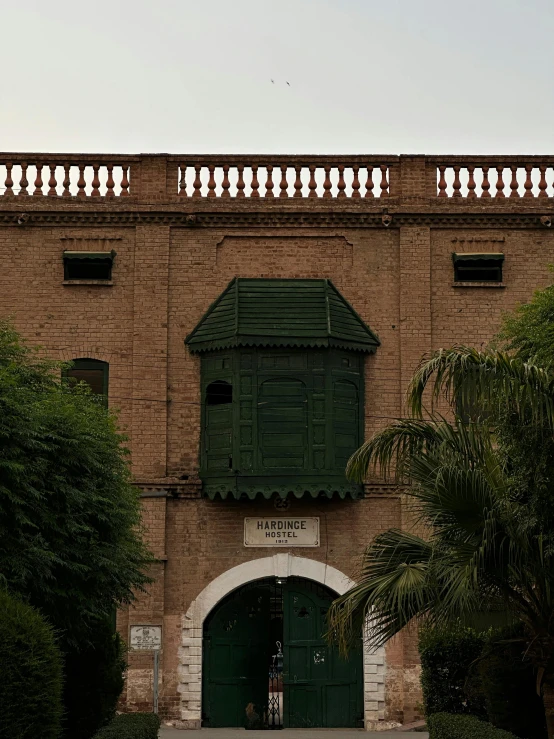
(479,284)
(108,283)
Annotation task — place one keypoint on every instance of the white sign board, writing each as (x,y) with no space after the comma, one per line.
(281,532)
(146,637)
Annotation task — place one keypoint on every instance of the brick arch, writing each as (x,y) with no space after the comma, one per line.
(279,565)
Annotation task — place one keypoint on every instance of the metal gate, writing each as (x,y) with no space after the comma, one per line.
(267,665)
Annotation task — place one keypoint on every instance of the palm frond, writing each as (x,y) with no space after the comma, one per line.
(491,379)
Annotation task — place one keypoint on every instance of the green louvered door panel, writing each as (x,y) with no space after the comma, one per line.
(346,422)
(320,688)
(235,659)
(283,424)
(219,438)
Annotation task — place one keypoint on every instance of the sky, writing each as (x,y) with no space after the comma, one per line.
(286,76)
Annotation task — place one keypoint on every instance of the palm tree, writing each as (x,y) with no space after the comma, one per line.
(483,550)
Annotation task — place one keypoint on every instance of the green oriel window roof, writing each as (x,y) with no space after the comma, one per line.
(285,313)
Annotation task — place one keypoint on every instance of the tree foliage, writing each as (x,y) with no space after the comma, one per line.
(70,539)
(93,682)
(30,673)
(481,486)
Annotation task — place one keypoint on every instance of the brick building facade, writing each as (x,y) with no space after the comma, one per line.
(383,229)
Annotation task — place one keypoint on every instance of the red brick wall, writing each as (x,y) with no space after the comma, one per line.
(166,275)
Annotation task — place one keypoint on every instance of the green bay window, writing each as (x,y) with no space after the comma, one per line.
(282,372)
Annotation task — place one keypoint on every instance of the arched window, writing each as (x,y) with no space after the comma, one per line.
(92,371)
(219,392)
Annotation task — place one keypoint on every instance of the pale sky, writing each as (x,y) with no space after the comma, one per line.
(366,76)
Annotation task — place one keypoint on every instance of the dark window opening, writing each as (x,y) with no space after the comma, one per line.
(87,269)
(91,371)
(219,392)
(478,269)
(84,265)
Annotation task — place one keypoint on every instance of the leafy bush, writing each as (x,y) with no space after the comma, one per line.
(131,726)
(508,684)
(93,682)
(446,657)
(30,673)
(456,726)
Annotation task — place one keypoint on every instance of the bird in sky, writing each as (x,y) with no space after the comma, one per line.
(272,82)
(288,83)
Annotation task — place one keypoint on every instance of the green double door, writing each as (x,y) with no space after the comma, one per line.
(319,688)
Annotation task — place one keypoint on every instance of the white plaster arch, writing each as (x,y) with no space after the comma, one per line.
(278,565)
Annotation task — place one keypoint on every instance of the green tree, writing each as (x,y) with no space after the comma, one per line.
(30,673)
(490,524)
(70,537)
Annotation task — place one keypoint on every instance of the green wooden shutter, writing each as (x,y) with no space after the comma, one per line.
(346,421)
(283,419)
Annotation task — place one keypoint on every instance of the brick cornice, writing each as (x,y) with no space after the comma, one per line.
(269,219)
(169,487)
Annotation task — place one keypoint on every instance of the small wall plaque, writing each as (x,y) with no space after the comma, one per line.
(146,637)
(281,532)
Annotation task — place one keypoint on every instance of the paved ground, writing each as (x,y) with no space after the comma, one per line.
(290,734)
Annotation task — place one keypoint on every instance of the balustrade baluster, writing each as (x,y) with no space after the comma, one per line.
(384,183)
(269,182)
(327,183)
(471,183)
(23,182)
(312,186)
(528,182)
(500,182)
(456,185)
(514,183)
(284,184)
(95,181)
(225,184)
(66,181)
(197,184)
(52,192)
(298,182)
(38,181)
(183,181)
(110,184)
(355,182)
(542,182)
(81,182)
(9,180)
(369,183)
(341,183)
(124,181)
(255,184)
(211,181)
(240,181)
(442,182)
(485,185)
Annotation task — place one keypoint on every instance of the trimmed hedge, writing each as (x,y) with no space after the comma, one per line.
(457,726)
(446,658)
(131,726)
(30,673)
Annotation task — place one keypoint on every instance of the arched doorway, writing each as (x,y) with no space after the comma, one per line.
(241,637)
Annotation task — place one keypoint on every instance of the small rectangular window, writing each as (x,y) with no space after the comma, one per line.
(92,371)
(83,265)
(478,267)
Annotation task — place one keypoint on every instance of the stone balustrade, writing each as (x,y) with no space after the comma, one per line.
(495,177)
(361,180)
(57,175)
(286,177)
